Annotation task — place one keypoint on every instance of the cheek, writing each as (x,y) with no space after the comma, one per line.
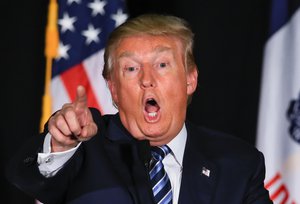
(127,93)
(121,92)
(176,93)
(178,84)
(182,89)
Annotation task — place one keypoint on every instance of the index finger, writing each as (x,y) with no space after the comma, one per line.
(81,98)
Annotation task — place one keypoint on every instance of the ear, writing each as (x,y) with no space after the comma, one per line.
(192,80)
(113,90)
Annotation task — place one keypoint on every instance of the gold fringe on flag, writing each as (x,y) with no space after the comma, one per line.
(51,50)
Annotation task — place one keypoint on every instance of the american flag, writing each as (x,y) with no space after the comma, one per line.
(84,26)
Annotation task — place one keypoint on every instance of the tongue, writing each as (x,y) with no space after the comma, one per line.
(151,108)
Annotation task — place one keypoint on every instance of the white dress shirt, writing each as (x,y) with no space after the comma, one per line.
(173,162)
(51,163)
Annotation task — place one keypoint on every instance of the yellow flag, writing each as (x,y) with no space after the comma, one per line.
(51,48)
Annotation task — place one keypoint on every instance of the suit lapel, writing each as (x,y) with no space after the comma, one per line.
(122,151)
(199,173)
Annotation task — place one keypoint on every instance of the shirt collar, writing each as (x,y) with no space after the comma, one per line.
(177,145)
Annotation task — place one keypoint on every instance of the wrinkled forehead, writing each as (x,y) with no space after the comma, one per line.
(147,44)
(155,51)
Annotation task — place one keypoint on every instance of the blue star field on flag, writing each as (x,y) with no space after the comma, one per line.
(84,26)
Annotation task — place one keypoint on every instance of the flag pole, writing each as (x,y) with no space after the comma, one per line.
(51,47)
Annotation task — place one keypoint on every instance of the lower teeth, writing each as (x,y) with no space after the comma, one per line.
(152,114)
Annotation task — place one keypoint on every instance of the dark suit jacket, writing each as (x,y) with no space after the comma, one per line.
(111,169)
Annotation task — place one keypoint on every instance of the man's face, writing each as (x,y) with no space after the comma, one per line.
(150,87)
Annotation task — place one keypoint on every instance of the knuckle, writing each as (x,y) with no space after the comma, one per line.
(51,129)
(69,113)
(50,122)
(59,121)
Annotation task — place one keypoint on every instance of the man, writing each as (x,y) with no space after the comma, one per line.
(83,157)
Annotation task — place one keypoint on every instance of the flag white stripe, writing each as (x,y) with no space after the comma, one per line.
(93,67)
(59,93)
(280,85)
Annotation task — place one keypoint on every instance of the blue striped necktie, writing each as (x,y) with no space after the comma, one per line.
(160,182)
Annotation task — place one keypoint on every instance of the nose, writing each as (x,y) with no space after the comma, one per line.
(148,79)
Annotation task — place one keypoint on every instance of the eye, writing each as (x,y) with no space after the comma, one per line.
(130,69)
(162,65)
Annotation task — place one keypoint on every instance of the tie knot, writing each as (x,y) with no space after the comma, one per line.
(159,153)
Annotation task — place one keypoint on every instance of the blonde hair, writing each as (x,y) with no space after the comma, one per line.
(156,25)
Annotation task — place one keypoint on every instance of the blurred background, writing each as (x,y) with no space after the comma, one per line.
(229,42)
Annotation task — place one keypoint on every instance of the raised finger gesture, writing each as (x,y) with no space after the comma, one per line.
(72,124)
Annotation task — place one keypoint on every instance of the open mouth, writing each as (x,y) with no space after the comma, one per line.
(152,109)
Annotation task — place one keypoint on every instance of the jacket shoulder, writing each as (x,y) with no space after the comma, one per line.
(216,144)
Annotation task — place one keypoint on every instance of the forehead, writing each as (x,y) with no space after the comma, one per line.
(145,44)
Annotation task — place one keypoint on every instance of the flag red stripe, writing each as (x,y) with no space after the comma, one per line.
(273,180)
(77,76)
(283,191)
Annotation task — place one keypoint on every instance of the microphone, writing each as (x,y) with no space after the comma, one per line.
(143,148)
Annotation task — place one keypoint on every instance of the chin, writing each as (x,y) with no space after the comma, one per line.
(153,133)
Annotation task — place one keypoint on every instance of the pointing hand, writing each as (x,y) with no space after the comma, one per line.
(72,124)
